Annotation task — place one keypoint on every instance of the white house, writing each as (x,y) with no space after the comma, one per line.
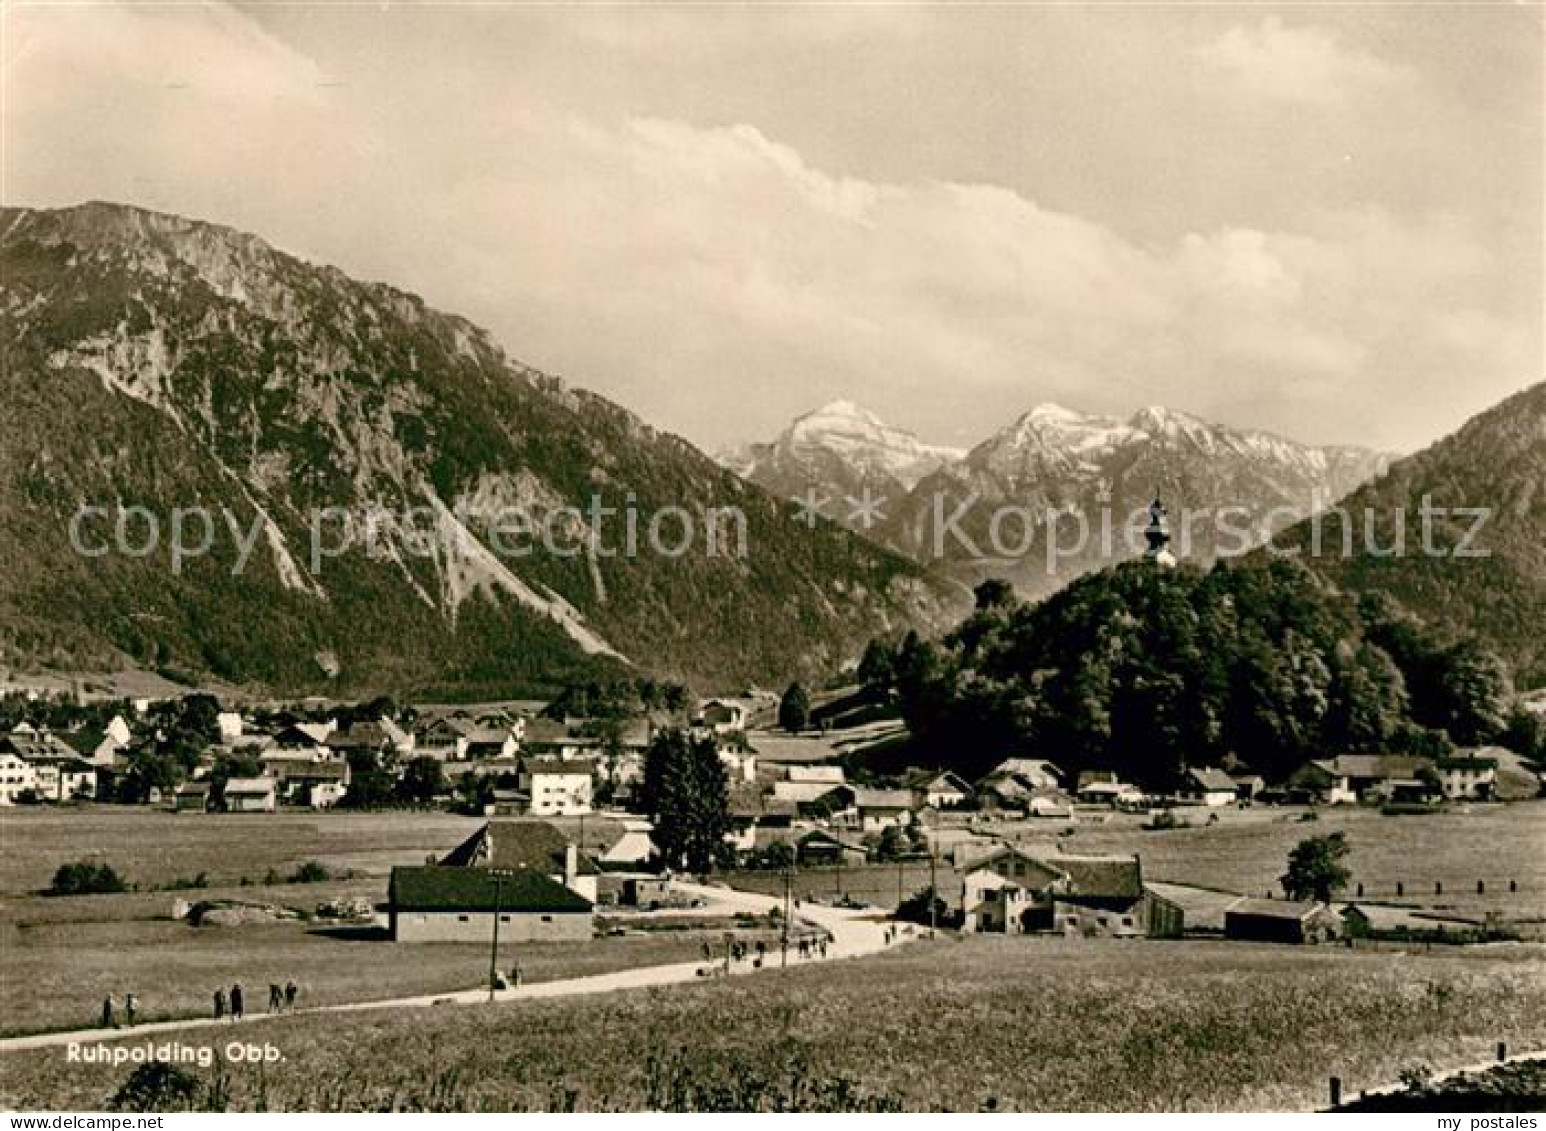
(881,808)
(16,776)
(230,724)
(741,765)
(1468,777)
(560,787)
(252,795)
(939,790)
(1211,787)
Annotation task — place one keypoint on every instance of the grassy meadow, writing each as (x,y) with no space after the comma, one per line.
(152,847)
(981,1023)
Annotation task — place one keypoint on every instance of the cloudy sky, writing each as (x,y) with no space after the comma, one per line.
(1324,221)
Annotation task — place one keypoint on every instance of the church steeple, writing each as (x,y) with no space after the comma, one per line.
(1158,534)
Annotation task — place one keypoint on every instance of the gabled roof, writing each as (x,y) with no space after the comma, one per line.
(882,798)
(1032,768)
(831,775)
(1468,762)
(1102,877)
(935,780)
(1376,765)
(432,888)
(1276,908)
(250,785)
(1211,780)
(517,845)
(37,746)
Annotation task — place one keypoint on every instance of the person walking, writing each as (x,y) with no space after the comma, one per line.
(108,1020)
(236,1002)
(276,998)
(291,990)
(219,1003)
(129,1005)
(515,975)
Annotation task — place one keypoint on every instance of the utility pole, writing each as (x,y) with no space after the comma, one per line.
(493,954)
(933,887)
(788,914)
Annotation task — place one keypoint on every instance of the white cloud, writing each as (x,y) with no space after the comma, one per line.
(1299,65)
(718,281)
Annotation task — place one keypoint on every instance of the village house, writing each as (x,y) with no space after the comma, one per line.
(558,787)
(721,716)
(528,846)
(936,789)
(552,738)
(1211,787)
(823,847)
(193,797)
(1281,921)
(993,904)
(230,725)
(17,780)
(740,765)
(98,745)
(297,772)
(1036,773)
(252,795)
(54,770)
(1076,895)
(448,904)
(877,809)
(1349,778)
(1101,787)
(1468,778)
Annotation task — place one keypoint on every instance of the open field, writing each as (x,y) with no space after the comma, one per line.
(55,975)
(1247,851)
(151,847)
(1494,843)
(1020,1023)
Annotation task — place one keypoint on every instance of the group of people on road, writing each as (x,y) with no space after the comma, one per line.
(234,1003)
(110,1014)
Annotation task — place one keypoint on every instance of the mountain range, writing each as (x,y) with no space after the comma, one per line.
(393,502)
(1011,506)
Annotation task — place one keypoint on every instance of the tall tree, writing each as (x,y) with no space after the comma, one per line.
(794,709)
(1317,868)
(686,792)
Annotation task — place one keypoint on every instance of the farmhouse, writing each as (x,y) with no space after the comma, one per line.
(441,904)
(527,846)
(1210,787)
(993,904)
(1282,921)
(939,790)
(1076,895)
(252,795)
(1468,778)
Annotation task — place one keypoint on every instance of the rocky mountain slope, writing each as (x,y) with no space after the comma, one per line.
(1481,568)
(395,504)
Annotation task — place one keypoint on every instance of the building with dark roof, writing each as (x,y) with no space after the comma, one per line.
(538,847)
(433,903)
(1281,921)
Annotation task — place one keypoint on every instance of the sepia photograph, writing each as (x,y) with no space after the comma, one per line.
(793,557)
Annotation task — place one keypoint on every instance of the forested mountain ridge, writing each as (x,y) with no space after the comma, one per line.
(158,362)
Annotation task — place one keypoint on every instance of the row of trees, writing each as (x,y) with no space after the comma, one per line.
(1147,671)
